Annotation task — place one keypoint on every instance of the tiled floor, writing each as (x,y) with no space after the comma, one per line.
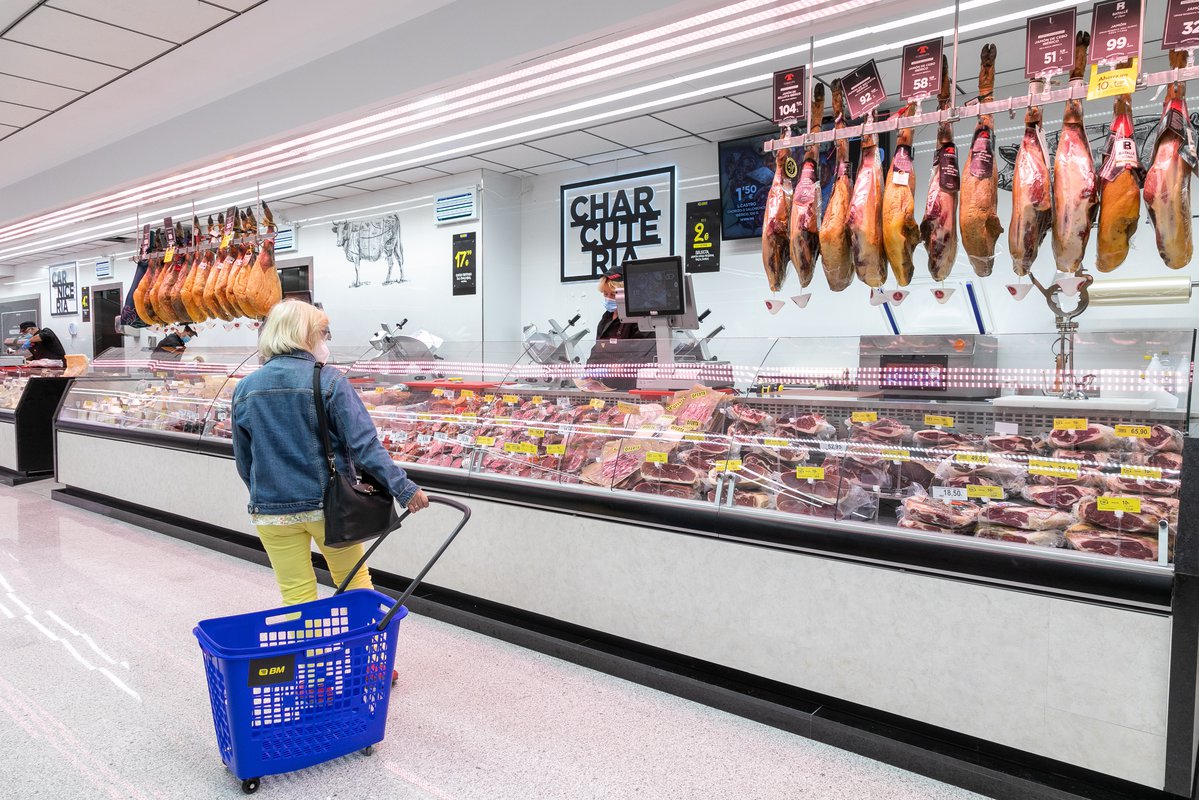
(102,695)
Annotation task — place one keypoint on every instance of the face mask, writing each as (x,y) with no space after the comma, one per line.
(609,304)
(186,339)
(321,352)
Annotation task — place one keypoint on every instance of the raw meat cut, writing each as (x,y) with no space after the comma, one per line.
(836,249)
(1016,445)
(1028,518)
(1145,521)
(805,206)
(939,229)
(1042,538)
(996,472)
(1032,195)
(807,425)
(980,181)
(832,497)
(884,430)
(900,231)
(748,414)
(911,523)
(1093,437)
(695,408)
(1168,180)
(1110,543)
(1162,439)
(950,516)
(947,440)
(915,473)
(1060,496)
(668,473)
(612,470)
(683,492)
(1075,187)
(1120,180)
(1165,461)
(1125,486)
(776,245)
(866,217)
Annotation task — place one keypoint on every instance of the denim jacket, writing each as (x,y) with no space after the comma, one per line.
(276,442)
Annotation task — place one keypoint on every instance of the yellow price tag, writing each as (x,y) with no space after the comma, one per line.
(731,465)
(556,449)
(1113,82)
(503,420)
(511,399)
(488,398)
(691,425)
(989,492)
(1130,504)
(438,392)
(485,441)
(1148,473)
(466,394)
(538,398)
(864,416)
(511,447)
(627,408)
(168,256)
(694,437)
(697,394)
(226,240)
(1069,423)
(424,417)
(935,421)
(810,473)
(470,416)
(596,403)
(897,455)
(972,458)
(1052,469)
(528,448)
(537,433)
(1134,431)
(655,457)
(775,442)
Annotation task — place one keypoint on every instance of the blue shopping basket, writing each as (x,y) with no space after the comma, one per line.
(299,685)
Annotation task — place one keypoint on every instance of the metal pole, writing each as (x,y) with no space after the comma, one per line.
(811,77)
(953,81)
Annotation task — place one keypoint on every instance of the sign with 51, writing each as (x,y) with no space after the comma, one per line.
(703,236)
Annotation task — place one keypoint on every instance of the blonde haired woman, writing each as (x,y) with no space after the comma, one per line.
(280,457)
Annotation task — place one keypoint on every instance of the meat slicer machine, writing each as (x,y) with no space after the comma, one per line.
(396,346)
(556,347)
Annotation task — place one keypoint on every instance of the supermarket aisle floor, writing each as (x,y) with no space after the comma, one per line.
(102,695)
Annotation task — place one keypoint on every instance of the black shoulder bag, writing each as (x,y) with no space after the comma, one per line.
(356,509)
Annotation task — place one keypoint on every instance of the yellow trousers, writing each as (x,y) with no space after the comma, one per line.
(289,548)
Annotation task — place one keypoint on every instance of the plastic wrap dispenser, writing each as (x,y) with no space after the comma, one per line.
(1141,291)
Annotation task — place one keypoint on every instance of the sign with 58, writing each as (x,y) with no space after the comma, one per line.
(921,71)
(703,236)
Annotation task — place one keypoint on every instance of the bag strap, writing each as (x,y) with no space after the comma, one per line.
(321,420)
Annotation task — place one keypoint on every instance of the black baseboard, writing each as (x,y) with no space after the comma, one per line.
(984,767)
(11,477)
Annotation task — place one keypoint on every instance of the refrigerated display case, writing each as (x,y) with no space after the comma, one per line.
(29,400)
(870,538)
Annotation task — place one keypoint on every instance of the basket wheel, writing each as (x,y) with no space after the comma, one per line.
(250,785)
(369,750)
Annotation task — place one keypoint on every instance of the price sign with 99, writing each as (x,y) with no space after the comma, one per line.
(1116,31)
(1182,25)
(789,96)
(1050,44)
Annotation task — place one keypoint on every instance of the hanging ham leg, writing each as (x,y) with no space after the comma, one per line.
(939,229)
(980,224)
(866,217)
(900,232)
(776,246)
(1075,187)
(805,208)
(1168,180)
(836,250)
(1119,189)
(263,288)
(1032,196)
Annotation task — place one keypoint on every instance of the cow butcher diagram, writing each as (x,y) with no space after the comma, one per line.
(371,240)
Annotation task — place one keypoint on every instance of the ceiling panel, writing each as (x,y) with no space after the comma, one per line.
(12,114)
(341,191)
(415,175)
(61,70)
(611,155)
(5,130)
(671,144)
(740,131)
(233,5)
(74,35)
(10,10)
(709,116)
(559,166)
(637,131)
(459,165)
(375,184)
(308,199)
(573,145)
(176,20)
(34,93)
(520,156)
(760,101)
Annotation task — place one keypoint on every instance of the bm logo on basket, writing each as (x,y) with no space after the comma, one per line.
(268,671)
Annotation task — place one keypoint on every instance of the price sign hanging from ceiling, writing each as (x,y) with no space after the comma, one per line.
(921,72)
(789,100)
(1116,27)
(1050,44)
(1182,25)
(864,90)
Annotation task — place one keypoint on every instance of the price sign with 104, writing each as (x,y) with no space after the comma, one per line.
(789,96)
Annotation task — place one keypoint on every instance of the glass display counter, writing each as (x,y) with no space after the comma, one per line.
(29,399)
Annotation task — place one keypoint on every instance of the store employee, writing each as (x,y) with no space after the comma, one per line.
(43,344)
(610,325)
(615,340)
(174,344)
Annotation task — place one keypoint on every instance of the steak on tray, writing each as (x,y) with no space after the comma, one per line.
(1145,521)
(1045,538)
(884,430)
(1091,539)
(1028,518)
(946,440)
(1016,445)
(1162,439)
(1064,496)
(949,516)
(1093,437)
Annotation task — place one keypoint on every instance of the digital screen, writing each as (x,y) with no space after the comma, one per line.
(654,286)
(746,173)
